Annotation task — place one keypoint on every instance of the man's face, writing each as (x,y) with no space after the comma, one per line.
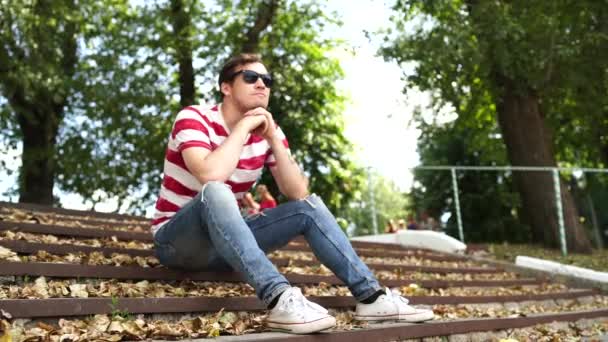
(246,95)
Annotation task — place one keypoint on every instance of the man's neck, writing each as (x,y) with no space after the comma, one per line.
(232,115)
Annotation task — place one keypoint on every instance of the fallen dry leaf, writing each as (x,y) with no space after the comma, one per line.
(79,291)
(8,255)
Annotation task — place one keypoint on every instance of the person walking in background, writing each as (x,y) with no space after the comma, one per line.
(401,225)
(390,227)
(265,197)
(427,222)
(411,223)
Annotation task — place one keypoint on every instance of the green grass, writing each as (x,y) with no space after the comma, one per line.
(598,260)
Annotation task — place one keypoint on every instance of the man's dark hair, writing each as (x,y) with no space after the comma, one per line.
(233,62)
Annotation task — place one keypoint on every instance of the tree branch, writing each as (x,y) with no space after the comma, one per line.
(266,12)
(182,24)
(550,67)
(9,45)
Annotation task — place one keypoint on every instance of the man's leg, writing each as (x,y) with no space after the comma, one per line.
(310,217)
(209,233)
(213,220)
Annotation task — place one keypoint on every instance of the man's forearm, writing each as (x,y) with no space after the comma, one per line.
(288,175)
(222,162)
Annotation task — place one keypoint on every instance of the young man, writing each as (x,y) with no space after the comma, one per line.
(214,155)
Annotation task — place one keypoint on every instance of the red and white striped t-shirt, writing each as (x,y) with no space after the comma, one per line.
(202,126)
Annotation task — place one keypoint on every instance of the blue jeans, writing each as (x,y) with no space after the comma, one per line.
(209,233)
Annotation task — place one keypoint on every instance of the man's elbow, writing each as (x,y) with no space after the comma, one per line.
(297,193)
(210,176)
(302,189)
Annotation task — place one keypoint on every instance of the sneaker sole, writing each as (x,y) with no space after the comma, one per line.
(413,318)
(303,328)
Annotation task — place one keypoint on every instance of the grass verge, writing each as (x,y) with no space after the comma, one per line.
(597,261)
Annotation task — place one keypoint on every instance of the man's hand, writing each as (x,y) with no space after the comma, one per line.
(269,128)
(254,123)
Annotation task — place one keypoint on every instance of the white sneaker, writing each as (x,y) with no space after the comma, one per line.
(295,314)
(391,306)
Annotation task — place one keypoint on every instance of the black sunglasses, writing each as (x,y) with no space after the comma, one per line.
(250,76)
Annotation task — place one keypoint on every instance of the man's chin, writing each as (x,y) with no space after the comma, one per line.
(257,105)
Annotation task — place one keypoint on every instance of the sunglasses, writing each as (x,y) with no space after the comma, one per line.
(250,76)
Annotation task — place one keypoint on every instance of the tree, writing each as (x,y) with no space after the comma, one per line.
(304,101)
(390,204)
(181,14)
(103,121)
(489,205)
(518,54)
(38,57)
(86,97)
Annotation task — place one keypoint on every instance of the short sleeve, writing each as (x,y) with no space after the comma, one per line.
(191,129)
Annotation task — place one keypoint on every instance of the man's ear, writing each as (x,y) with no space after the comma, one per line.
(226,88)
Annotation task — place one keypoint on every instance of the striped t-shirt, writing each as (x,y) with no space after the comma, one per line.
(203,126)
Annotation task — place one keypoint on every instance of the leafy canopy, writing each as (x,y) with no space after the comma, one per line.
(123,95)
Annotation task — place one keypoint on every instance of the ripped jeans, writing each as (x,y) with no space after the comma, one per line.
(209,234)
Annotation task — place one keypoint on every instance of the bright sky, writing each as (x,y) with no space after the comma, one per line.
(378,113)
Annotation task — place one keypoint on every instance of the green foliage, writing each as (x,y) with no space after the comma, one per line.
(465,53)
(597,261)
(490,208)
(307,104)
(117,312)
(117,128)
(114,95)
(304,101)
(123,94)
(390,202)
(466,50)
(592,190)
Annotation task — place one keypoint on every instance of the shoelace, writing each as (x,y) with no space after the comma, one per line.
(397,295)
(299,302)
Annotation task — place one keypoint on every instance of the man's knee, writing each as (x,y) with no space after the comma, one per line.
(314,204)
(217,192)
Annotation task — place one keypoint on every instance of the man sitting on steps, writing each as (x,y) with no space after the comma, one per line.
(214,155)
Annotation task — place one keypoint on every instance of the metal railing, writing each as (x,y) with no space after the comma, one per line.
(556,184)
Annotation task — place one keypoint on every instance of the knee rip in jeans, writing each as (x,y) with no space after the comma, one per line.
(210,183)
(256,215)
(308,200)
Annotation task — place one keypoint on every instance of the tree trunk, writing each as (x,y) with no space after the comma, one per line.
(603,143)
(597,233)
(40,110)
(264,16)
(38,158)
(182,27)
(529,143)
